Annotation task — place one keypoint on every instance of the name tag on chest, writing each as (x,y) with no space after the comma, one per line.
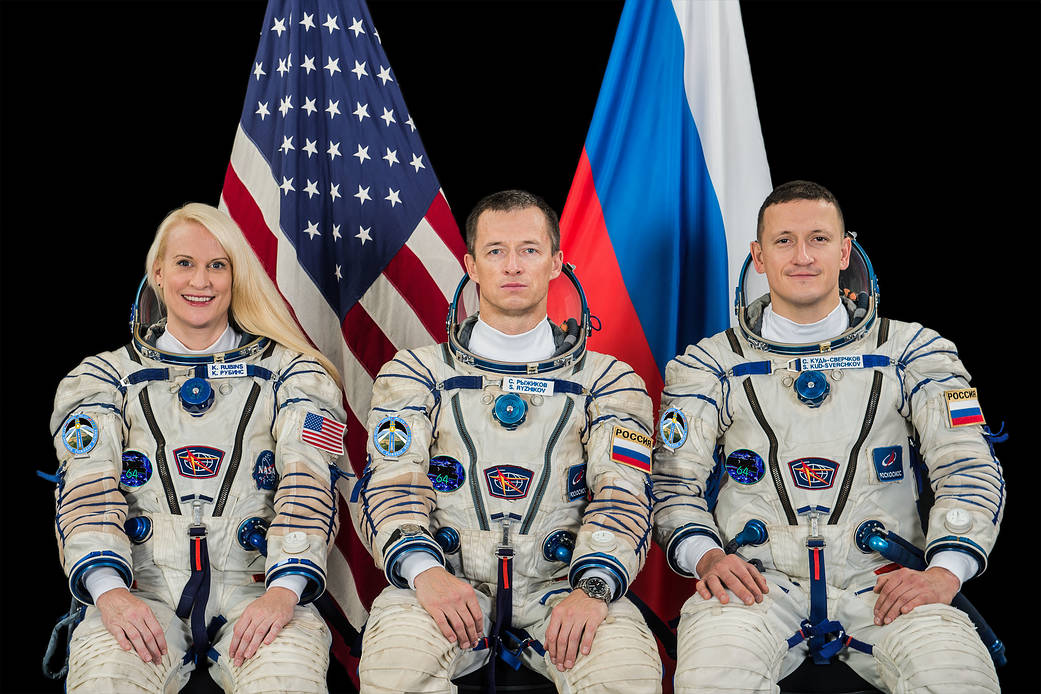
(225,370)
(528,386)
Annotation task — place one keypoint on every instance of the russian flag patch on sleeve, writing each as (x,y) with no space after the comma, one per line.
(631,448)
(963,407)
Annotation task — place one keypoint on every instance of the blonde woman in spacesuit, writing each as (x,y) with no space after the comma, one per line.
(216,424)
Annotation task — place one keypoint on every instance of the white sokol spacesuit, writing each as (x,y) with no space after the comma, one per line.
(528,476)
(817,443)
(168,464)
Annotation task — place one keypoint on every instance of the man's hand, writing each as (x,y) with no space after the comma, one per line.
(719,571)
(261,621)
(131,622)
(574,619)
(452,603)
(902,590)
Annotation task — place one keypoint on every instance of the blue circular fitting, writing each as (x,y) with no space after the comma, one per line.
(866,531)
(138,529)
(510,410)
(812,387)
(252,535)
(559,545)
(448,539)
(754,533)
(196,396)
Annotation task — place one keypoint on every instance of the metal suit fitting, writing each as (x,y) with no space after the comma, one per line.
(812,388)
(196,396)
(868,534)
(559,545)
(252,535)
(510,410)
(448,539)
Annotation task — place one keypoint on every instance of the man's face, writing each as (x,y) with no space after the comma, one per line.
(802,250)
(513,262)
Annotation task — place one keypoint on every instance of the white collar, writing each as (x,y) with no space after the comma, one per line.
(533,345)
(228,340)
(777,328)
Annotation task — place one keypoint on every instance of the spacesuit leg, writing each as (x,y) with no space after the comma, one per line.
(737,647)
(623,657)
(296,662)
(931,649)
(404,651)
(97,665)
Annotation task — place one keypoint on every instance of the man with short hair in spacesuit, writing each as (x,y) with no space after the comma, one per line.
(507,495)
(803,437)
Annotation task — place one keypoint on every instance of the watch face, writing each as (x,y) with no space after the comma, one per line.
(409,529)
(594,587)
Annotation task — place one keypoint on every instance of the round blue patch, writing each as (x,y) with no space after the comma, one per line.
(446,473)
(137,469)
(80,434)
(672,429)
(745,466)
(392,437)
(264,473)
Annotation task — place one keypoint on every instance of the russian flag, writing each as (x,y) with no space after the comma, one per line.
(664,202)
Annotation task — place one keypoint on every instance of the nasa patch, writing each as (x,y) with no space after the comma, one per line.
(137,469)
(672,429)
(198,462)
(80,434)
(446,473)
(745,466)
(813,473)
(889,463)
(392,437)
(576,482)
(508,481)
(264,473)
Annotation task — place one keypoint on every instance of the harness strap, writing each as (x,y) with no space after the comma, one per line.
(196,594)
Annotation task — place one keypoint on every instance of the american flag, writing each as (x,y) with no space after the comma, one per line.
(323,433)
(331,185)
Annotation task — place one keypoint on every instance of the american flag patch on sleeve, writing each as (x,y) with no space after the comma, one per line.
(322,432)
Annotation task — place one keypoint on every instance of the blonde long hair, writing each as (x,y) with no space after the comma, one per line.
(256,306)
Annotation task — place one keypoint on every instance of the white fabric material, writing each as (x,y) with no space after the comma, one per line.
(717,80)
(691,550)
(415,563)
(958,563)
(228,340)
(533,345)
(780,329)
(101,580)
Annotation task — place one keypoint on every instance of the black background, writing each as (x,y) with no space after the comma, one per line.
(922,118)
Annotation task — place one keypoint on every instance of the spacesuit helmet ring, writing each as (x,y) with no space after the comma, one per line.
(566,308)
(858,288)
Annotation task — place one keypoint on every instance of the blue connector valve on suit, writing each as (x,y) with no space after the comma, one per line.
(559,545)
(252,535)
(812,388)
(138,529)
(448,539)
(510,410)
(196,396)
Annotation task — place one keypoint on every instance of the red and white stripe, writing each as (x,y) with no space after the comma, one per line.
(404,308)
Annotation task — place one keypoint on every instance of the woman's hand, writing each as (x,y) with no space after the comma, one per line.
(260,622)
(132,623)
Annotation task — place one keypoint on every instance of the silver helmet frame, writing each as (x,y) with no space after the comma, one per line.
(526,368)
(860,273)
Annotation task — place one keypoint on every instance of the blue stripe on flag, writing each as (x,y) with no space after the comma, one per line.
(660,208)
(630,453)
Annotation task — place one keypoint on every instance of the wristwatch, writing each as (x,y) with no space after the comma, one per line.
(405,530)
(596,588)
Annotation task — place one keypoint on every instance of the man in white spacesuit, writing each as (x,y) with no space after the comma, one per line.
(177,453)
(507,496)
(804,427)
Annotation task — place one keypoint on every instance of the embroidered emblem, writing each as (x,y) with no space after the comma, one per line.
(508,481)
(963,407)
(889,463)
(745,466)
(198,462)
(264,473)
(631,448)
(446,473)
(576,482)
(813,473)
(392,437)
(137,469)
(80,434)
(672,429)
(322,432)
